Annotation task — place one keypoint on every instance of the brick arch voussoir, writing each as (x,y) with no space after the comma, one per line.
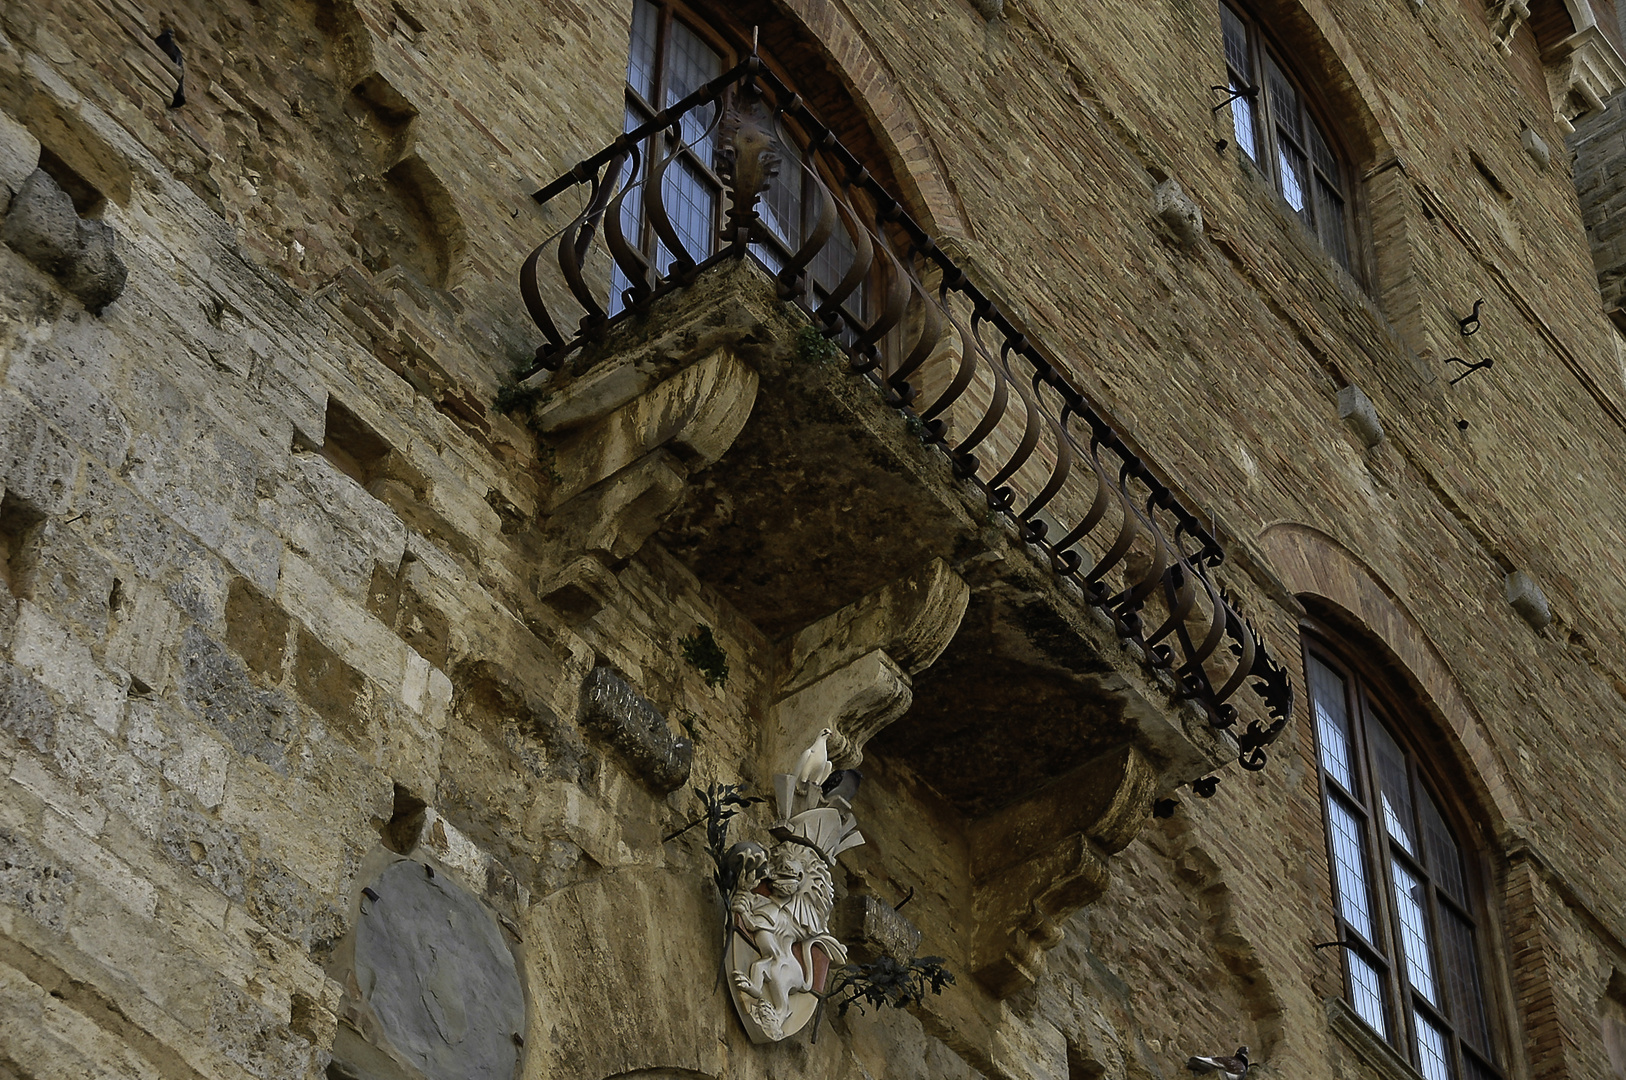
(1311,563)
(915,160)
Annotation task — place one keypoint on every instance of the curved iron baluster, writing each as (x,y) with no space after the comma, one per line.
(790,275)
(998,401)
(634,265)
(683,261)
(575,240)
(966,369)
(890,274)
(857,271)
(1030,429)
(1059,473)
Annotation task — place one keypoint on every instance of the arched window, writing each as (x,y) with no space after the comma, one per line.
(1277,130)
(1407,900)
(673,53)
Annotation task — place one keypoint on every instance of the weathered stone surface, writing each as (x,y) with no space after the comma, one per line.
(1356,409)
(632,724)
(42,225)
(434,967)
(871,928)
(97,274)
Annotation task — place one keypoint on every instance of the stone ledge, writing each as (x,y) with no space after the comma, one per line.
(1354,1033)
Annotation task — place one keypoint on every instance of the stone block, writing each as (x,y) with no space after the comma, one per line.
(26,710)
(213,851)
(97,276)
(1357,410)
(1176,210)
(42,225)
(19,156)
(33,883)
(1527,599)
(629,722)
(872,929)
(1536,147)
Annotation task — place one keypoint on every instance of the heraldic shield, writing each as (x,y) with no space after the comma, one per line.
(780,949)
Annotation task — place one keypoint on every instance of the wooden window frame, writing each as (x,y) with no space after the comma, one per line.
(1270,132)
(1368,703)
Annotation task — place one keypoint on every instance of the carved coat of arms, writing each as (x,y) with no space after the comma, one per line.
(780,949)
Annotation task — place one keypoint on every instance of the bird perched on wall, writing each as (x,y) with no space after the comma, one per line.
(1229,1068)
(842,784)
(814,767)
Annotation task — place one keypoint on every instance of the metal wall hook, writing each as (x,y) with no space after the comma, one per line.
(1470,325)
(1485,364)
(1249,92)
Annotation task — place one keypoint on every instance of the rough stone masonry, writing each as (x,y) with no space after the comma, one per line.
(356,705)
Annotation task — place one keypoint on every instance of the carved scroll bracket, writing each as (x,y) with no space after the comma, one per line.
(619,452)
(851,671)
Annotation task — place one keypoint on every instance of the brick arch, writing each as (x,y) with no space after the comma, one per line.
(1329,66)
(914,159)
(1311,563)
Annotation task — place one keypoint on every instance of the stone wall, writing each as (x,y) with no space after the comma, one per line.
(290,603)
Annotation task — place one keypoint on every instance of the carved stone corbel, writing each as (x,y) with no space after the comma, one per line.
(1583,71)
(1506,18)
(851,671)
(1036,863)
(622,447)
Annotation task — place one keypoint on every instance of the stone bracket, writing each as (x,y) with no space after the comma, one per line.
(851,671)
(630,722)
(619,471)
(1035,864)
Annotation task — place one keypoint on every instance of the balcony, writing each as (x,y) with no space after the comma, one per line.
(967,571)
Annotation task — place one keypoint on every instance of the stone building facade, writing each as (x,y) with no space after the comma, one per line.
(394,643)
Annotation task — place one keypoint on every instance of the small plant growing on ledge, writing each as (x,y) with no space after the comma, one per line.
(519,396)
(812,346)
(702,650)
(887,982)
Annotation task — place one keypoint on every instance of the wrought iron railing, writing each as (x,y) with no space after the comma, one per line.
(940,350)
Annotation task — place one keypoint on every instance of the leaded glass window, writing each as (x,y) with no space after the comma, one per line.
(1402,892)
(1278,131)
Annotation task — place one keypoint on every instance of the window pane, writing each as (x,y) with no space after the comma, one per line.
(1409,900)
(1349,864)
(1284,102)
(1236,40)
(1330,214)
(781,205)
(1332,721)
(1321,154)
(1398,818)
(1367,987)
(833,261)
(1444,860)
(1462,971)
(1432,1061)
(691,203)
(641,59)
(1242,122)
(690,64)
(1476,1070)
(1293,178)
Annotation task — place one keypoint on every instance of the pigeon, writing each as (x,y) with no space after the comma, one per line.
(1229,1068)
(166,42)
(815,763)
(842,784)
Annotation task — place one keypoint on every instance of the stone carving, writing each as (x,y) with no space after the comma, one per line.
(780,946)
